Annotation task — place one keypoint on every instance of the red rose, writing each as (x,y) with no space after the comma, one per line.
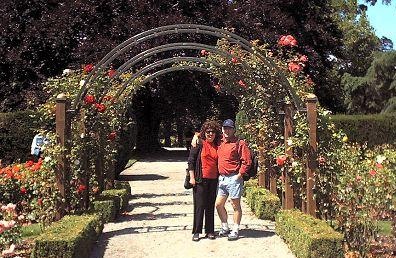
(379,165)
(373,172)
(23,190)
(112,136)
(111,73)
(358,178)
(40,201)
(288,40)
(303,58)
(100,107)
(294,67)
(204,52)
(280,160)
(88,68)
(89,99)
(217,87)
(242,84)
(107,98)
(81,188)
(234,60)
(29,163)
(322,160)
(36,167)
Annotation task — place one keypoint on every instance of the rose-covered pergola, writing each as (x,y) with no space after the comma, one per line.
(135,72)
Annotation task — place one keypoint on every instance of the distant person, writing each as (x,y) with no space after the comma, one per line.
(202,166)
(37,147)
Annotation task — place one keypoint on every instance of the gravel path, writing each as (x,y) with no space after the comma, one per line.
(159,220)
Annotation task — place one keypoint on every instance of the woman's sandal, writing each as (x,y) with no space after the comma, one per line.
(211,236)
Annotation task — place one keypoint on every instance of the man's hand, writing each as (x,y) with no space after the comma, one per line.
(195,140)
(240,176)
(192,181)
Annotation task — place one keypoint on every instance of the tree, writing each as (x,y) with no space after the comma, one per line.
(376,91)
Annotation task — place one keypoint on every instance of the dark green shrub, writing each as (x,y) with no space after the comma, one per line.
(107,208)
(308,237)
(123,185)
(120,195)
(17,130)
(266,204)
(71,237)
(262,202)
(374,129)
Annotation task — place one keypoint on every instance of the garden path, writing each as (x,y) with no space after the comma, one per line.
(159,220)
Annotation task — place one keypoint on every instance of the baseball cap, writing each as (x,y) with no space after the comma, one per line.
(228,123)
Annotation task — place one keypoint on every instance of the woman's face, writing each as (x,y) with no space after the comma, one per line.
(210,135)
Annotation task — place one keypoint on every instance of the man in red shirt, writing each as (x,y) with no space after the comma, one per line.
(233,161)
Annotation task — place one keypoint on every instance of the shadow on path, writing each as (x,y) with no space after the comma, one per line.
(145,177)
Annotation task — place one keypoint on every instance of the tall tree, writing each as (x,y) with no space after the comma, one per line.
(376,91)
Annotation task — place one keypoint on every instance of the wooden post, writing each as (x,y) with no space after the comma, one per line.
(312,164)
(287,196)
(63,133)
(272,183)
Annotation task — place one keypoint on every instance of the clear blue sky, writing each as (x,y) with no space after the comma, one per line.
(383,20)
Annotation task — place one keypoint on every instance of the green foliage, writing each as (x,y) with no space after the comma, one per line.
(17,130)
(364,191)
(385,228)
(107,209)
(121,195)
(372,130)
(71,237)
(262,202)
(31,230)
(308,237)
(374,91)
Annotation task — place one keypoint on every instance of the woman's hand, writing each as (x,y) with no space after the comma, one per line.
(192,181)
(195,140)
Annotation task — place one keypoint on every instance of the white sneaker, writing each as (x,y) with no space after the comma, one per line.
(223,232)
(233,236)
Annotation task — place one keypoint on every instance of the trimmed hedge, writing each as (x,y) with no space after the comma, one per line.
(17,130)
(107,209)
(308,237)
(121,195)
(262,202)
(374,129)
(123,185)
(71,237)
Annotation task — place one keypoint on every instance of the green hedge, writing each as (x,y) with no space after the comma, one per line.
(374,129)
(17,130)
(123,185)
(262,202)
(121,195)
(308,237)
(108,209)
(71,237)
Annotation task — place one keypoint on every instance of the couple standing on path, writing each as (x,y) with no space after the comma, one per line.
(217,163)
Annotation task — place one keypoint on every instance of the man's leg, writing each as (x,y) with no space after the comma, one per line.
(220,207)
(236,204)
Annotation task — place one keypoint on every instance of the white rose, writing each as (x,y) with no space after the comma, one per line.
(289,142)
(82,82)
(380,159)
(66,71)
(47,158)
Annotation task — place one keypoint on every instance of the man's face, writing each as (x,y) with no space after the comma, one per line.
(228,131)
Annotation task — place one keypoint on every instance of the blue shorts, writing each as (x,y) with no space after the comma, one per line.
(230,185)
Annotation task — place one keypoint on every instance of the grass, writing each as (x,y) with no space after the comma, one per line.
(384,228)
(31,230)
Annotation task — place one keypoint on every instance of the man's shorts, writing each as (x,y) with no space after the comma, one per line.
(230,185)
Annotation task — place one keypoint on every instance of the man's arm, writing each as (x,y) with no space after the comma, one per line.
(246,161)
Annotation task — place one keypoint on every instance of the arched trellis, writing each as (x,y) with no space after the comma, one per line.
(62,127)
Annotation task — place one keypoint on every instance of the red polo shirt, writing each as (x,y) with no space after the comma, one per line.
(209,160)
(232,160)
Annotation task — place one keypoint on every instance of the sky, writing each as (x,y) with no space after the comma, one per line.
(383,20)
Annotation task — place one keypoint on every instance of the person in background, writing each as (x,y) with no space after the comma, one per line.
(37,147)
(202,166)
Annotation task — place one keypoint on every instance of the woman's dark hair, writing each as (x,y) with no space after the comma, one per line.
(214,126)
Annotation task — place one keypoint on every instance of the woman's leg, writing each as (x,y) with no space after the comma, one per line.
(199,207)
(210,205)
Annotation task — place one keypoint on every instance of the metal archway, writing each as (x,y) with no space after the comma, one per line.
(179,29)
